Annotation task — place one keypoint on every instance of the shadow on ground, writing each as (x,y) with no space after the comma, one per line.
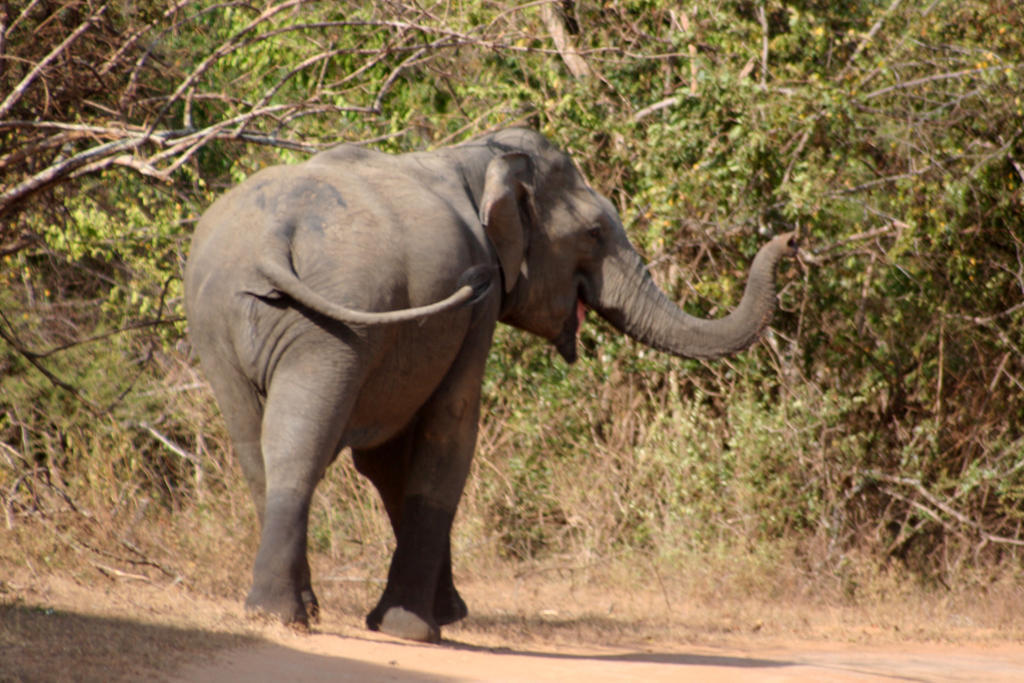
(46,644)
(358,658)
(680,659)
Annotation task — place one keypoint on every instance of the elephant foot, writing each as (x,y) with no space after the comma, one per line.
(449,608)
(289,610)
(312,605)
(401,623)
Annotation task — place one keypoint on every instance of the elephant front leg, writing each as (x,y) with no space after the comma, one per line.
(407,609)
(420,596)
(386,467)
(449,606)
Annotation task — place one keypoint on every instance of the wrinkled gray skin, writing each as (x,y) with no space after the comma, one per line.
(350,301)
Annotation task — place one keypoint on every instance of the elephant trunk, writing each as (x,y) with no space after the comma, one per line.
(631,302)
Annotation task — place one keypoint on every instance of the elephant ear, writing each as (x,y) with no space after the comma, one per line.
(505,208)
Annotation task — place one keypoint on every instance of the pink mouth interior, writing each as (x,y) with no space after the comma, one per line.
(581,313)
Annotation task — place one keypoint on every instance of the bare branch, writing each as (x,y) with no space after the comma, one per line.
(938,506)
(227,48)
(63,168)
(178,144)
(118,574)
(683,19)
(763,21)
(101,337)
(868,37)
(20,89)
(903,85)
(17,245)
(555,24)
(11,339)
(171,446)
(656,107)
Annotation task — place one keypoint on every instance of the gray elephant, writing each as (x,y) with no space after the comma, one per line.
(350,301)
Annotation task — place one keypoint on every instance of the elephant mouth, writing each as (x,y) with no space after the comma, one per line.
(565,343)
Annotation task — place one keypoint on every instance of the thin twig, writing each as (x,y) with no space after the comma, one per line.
(171,446)
(939,505)
(868,37)
(106,335)
(118,574)
(12,340)
(20,89)
(656,107)
(763,21)
(934,77)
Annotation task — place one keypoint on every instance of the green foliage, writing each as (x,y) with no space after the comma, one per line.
(883,414)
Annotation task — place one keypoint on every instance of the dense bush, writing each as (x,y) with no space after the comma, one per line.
(882,413)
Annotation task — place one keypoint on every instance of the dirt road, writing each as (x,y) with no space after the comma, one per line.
(58,628)
(327,657)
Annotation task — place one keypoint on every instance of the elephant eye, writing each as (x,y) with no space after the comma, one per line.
(594,233)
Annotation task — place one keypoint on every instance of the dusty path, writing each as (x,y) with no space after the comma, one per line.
(55,628)
(328,657)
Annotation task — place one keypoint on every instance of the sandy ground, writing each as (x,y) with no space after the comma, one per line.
(57,628)
(328,657)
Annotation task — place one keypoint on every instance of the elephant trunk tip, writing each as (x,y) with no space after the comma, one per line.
(786,244)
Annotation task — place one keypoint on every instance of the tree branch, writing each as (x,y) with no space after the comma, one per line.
(20,89)
(938,506)
(555,25)
(32,358)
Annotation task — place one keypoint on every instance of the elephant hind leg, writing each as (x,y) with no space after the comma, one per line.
(385,466)
(243,414)
(306,409)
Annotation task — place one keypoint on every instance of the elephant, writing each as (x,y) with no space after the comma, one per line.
(349,301)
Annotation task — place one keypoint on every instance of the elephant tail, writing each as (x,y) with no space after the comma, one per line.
(472,286)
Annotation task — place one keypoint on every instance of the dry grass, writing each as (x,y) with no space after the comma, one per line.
(124,557)
(98,586)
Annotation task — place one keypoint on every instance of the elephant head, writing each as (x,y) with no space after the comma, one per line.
(562,250)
